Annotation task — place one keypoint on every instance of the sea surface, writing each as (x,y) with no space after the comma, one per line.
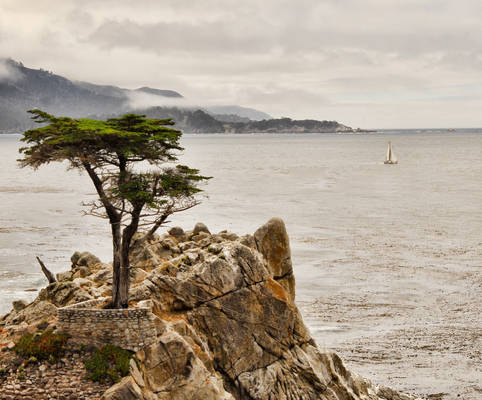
(377,249)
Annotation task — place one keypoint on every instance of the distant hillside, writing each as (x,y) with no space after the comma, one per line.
(287,125)
(198,121)
(243,112)
(187,120)
(158,92)
(23,88)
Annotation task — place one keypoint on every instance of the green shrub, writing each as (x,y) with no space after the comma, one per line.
(108,363)
(42,345)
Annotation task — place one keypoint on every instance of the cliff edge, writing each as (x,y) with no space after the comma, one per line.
(226,324)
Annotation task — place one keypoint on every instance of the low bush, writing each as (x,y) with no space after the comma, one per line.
(42,345)
(109,363)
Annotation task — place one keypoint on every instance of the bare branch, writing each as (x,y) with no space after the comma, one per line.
(50,277)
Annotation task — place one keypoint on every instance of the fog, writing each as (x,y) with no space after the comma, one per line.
(369,63)
(8,74)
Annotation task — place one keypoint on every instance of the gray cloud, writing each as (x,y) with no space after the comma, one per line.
(228,37)
(366,63)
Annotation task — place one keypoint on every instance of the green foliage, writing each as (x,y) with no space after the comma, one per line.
(41,345)
(109,363)
(115,153)
(109,149)
(131,137)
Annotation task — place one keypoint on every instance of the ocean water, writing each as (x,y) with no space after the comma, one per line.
(403,235)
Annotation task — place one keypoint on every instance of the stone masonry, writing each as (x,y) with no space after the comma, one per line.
(131,329)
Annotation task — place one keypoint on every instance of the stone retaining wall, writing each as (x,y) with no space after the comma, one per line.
(130,329)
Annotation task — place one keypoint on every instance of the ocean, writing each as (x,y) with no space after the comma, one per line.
(387,258)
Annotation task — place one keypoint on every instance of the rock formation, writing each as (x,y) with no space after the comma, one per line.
(226,321)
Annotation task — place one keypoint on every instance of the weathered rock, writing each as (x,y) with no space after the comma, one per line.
(64,276)
(126,389)
(34,312)
(228,315)
(136,374)
(226,323)
(201,237)
(104,276)
(59,293)
(82,272)
(80,296)
(148,254)
(228,235)
(178,233)
(82,282)
(248,241)
(85,259)
(273,243)
(75,257)
(172,370)
(140,292)
(19,305)
(187,245)
(137,274)
(200,227)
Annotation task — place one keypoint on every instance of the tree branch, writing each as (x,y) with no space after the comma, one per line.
(50,277)
(109,208)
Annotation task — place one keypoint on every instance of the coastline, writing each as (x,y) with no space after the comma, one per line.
(338,214)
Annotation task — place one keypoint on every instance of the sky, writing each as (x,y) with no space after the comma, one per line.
(364,63)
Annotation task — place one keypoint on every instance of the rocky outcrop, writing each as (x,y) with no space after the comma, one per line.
(226,323)
(226,317)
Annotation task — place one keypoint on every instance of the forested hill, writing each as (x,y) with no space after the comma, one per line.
(199,121)
(23,88)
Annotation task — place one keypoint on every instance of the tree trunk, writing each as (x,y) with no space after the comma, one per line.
(116,264)
(124,281)
(115,219)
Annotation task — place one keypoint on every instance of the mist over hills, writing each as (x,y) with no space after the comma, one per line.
(23,88)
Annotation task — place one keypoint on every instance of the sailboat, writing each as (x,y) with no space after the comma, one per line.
(391,159)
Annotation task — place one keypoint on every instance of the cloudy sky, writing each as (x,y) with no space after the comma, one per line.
(365,63)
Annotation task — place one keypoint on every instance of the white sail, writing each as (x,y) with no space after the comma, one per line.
(391,159)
